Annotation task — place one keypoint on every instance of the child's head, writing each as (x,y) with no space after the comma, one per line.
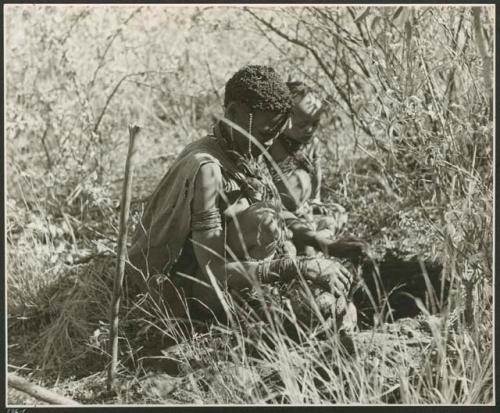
(306,112)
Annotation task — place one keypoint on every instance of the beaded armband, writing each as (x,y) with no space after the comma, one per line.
(206,220)
(283,269)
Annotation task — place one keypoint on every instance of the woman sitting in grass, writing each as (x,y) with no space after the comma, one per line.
(298,178)
(215,222)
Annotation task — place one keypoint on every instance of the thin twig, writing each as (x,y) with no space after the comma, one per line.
(108,46)
(108,100)
(84,13)
(46,150)
(320,85)
(212,81)
(321,63)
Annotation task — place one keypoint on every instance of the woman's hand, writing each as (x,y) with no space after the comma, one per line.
(322,208)
(329,275)
(319,209)
(350,248)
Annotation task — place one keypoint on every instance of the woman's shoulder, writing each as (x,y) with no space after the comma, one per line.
(209,176)
(201,151)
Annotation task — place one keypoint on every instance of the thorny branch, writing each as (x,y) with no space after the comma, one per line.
(321,63)
(80,16)
(110,43)
(113,92)
(305,73)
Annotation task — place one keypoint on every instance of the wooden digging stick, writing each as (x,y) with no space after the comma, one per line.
(38,392)
(133,131)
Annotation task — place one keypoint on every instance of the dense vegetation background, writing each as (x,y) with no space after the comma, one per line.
(408,150)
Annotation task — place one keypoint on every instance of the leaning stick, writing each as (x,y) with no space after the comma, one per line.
(38,392)
(121,254)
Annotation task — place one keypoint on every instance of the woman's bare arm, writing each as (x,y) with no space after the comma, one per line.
(305,236)
(209,247)
(302,234)
(209,244)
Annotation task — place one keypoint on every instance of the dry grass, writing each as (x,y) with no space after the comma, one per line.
(423,182)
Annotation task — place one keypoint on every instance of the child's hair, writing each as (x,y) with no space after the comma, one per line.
(298,89)
(260,88)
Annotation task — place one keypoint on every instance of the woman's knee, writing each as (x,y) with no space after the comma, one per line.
(254,232)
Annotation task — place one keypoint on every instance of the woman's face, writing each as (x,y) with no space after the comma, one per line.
(264,127)
(306,115)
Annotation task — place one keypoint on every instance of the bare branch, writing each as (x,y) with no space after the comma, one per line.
(38,392)
(321,63)
(108,46)
(84,13)
(46,150)
(113,92)
(212,81)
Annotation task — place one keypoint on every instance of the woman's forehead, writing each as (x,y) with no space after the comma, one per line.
(269,118)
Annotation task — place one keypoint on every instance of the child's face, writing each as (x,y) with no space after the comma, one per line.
(306,115)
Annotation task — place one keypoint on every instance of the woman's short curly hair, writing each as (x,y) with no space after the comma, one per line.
(260,88)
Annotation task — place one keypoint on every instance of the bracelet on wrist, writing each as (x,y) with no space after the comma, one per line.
(288,268)
(264,274)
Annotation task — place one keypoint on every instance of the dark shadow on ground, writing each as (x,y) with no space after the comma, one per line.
(398,287)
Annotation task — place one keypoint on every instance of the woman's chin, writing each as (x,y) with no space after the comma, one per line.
(301,139)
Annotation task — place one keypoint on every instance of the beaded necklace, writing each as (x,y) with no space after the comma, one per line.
(297,154)
(254,179)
